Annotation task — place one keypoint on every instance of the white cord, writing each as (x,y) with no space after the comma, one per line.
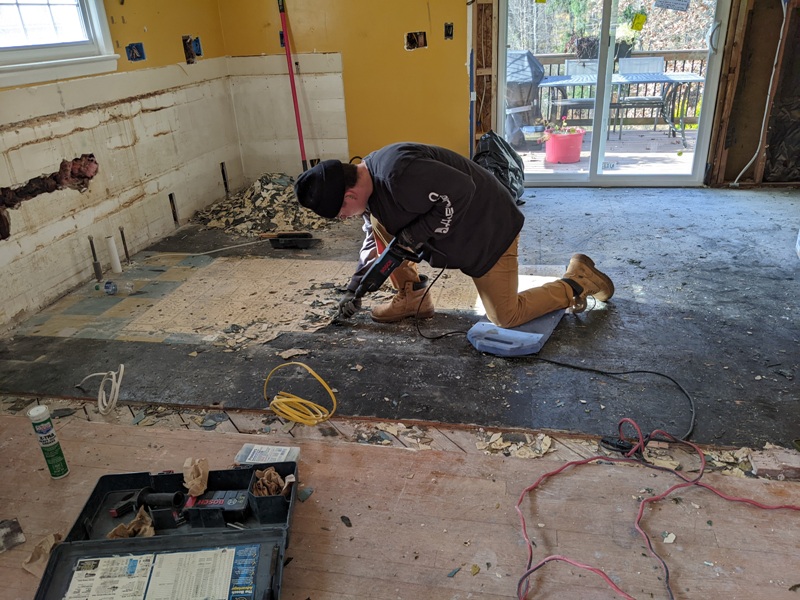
(206,253)
(735,182)
(105,404)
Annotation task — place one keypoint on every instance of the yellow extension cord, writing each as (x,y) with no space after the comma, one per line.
(297,409)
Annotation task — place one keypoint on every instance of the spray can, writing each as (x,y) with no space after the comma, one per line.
(51,448)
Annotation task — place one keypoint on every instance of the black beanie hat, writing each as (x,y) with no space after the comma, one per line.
(321,188)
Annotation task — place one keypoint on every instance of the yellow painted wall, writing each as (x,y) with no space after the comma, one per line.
(391,94)
(160,25)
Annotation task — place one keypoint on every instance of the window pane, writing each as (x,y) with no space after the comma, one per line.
(11,32)
(39,27)
(39,22)
(69,25)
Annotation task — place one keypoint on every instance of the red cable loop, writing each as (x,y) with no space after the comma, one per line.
(638,448)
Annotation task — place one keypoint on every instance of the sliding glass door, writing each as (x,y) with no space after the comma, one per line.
(611,92)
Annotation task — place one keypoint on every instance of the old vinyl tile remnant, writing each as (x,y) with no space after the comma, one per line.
(10,534)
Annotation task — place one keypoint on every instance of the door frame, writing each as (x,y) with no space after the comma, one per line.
(594,178)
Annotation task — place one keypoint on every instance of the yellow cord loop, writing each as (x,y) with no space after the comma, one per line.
(295,408)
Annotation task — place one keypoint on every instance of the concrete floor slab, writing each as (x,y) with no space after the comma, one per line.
(706,288)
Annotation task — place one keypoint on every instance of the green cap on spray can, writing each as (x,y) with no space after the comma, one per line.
(51,448)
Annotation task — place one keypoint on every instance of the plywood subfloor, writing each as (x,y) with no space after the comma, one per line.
(420,516)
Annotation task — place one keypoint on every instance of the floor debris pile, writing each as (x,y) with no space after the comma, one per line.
(269,204)
(519,445)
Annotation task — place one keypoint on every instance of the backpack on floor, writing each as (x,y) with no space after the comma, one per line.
(497,156)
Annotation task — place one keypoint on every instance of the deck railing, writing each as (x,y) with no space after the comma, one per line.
(683,61)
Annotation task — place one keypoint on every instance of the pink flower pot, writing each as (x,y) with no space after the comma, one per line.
(564,147)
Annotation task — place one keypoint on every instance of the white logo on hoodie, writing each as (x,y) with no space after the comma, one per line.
(448,212)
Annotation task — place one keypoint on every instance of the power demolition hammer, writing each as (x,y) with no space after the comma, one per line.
(391,258)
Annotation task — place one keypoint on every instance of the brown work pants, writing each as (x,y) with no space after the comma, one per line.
(505,306)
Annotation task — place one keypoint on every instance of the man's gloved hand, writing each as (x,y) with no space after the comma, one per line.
(348,305)
(404,239)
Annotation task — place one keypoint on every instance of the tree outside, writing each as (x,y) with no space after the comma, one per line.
(559,26)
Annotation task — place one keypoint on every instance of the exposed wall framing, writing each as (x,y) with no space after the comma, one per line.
(484,36)
(780,161)
(744,89)
(729,78)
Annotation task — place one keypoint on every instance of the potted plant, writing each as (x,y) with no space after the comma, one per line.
(587,47)
(535,132)
(562,143)
(625,39)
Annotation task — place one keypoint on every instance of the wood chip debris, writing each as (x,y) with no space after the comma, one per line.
(236,337)
(291,352)
(386,434)
(513,444)
(269,204)
(661,458)
(734,463)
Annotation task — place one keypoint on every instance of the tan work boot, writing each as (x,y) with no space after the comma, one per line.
(585,280)
(405,303)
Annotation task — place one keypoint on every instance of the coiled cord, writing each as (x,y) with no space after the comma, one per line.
(105,404)
(297,409)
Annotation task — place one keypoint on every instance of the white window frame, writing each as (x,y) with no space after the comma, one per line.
(37,64)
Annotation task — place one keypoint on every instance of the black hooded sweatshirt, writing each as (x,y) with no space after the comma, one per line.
(462,213)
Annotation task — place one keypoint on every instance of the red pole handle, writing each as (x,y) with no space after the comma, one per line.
(282,10)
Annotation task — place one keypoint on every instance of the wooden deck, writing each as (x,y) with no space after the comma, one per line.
(640,151)
(432,509)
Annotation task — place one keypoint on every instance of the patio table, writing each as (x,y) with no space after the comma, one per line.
(672,82)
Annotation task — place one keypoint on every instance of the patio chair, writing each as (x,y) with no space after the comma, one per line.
(576,67)
(656,103)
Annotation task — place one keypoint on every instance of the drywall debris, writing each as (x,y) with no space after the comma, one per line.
(268,205)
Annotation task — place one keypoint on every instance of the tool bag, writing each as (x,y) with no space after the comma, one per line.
(497,156)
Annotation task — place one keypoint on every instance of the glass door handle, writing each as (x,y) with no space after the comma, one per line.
(710,40)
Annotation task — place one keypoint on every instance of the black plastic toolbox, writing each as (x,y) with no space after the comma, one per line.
(231,547)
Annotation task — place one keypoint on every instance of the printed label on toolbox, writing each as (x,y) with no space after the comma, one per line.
(267,454)
(117,577)
(219,574)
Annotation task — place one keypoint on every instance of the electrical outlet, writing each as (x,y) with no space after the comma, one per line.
(188,49)
(416,39)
